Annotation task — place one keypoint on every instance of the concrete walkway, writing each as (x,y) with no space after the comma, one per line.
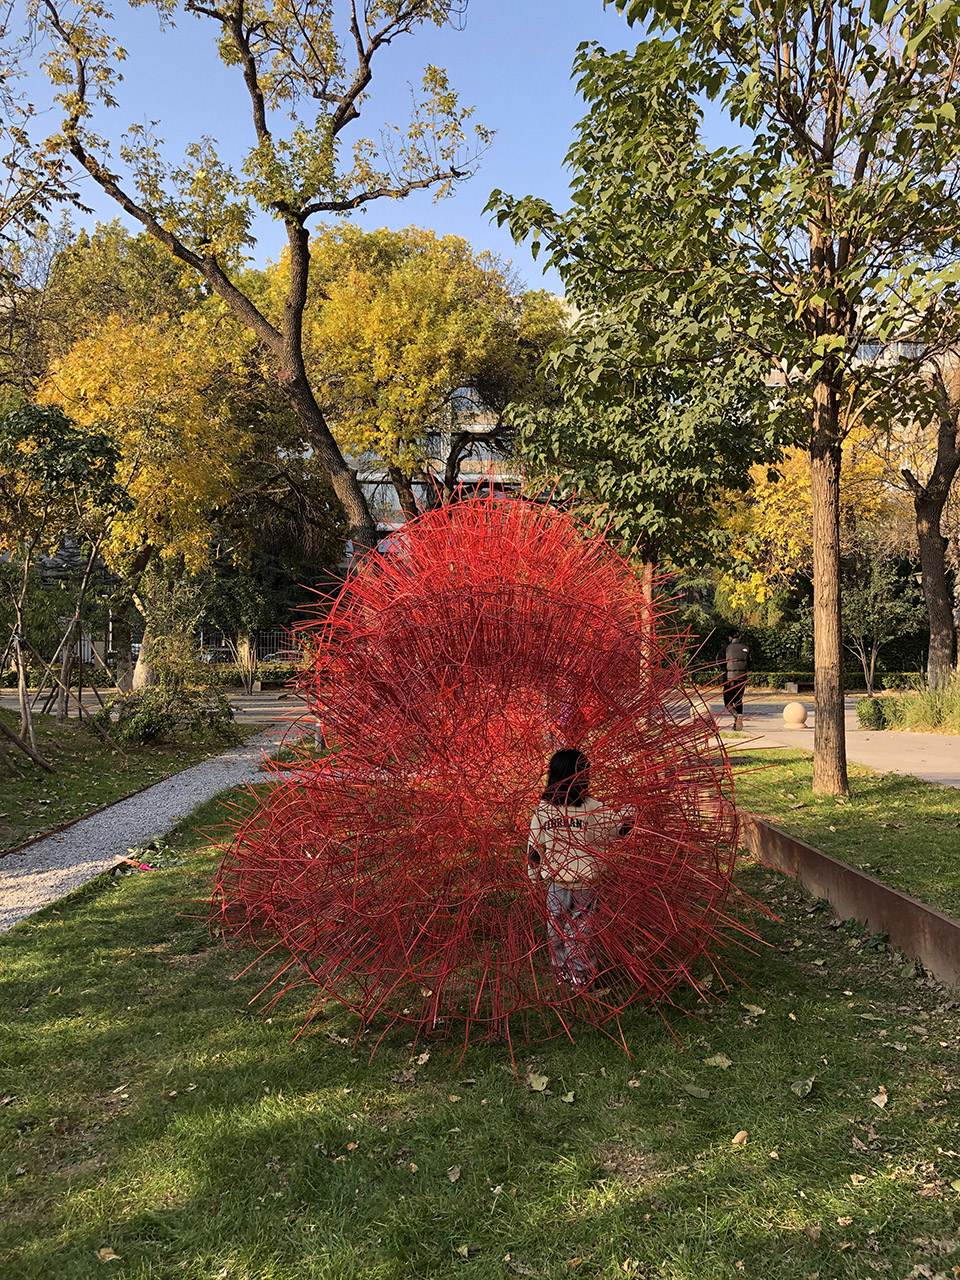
(934,757)
(56,865)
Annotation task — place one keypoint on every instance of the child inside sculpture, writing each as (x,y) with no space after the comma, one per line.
(567,833)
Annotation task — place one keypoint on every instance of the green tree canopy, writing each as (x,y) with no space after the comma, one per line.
(832,224)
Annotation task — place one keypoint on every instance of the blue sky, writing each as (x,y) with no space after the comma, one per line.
(512,61)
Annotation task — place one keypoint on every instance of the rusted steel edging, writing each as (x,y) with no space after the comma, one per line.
(918,930)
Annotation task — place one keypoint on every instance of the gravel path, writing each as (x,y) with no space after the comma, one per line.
(55,865)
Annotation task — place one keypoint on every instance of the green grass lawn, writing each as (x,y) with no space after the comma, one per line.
(903,831)
(89,774)
(149,1110)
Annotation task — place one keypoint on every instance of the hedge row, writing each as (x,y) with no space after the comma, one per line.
(220,676)
(852,679)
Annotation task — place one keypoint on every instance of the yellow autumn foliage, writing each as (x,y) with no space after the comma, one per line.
(159,389)
(772,525)
(397,323)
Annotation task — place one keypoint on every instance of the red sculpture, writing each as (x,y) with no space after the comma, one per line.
(392,873)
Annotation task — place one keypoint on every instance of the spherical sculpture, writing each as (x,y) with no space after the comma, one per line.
(794,715)
(393,873)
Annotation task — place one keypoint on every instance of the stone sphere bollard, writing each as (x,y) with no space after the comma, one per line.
(794,715)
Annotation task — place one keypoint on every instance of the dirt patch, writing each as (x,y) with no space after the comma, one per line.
(90,1165)
(628,1164)
(194,959)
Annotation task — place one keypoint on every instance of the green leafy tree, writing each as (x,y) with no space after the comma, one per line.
(878,607)
(646,450)
(305,86)
(55,480)
(837,217)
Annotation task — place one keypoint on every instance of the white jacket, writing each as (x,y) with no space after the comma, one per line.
(565,840)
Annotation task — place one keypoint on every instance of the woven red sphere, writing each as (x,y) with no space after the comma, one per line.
(393,872)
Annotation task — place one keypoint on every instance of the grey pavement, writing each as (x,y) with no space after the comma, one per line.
(57,864)
(934,757)
(254,708)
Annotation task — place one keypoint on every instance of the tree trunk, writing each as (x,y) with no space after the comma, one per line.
(929,500)
(26,717)
(829,738)
(66,670)
(144,673)
(405,494)
(122,642)
(451,466)
(361,527)
(74,631)
(121,603)
(933,569)
(647,588)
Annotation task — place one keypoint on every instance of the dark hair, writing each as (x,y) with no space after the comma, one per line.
(568,778)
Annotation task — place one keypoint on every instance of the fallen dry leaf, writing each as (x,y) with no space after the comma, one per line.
(774,1155)
(813,1232)
(880,1098)
(567,1097)
(107,1255)
(414,1168)
(423,1058)
(754,1010)
(634,1084)
(453,1173)
(739,1138)
(352,1146)
(695,1091)
(537,1082)
(802,1087)
(857,1179)
(844,1222)
(719,1060)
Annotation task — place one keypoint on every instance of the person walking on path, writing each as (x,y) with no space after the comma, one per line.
(568,831)
(734,660)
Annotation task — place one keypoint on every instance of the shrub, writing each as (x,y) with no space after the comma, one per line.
(897,679)
(276,672)
(928,710)
(871,713)
(222,675)
(162,714)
